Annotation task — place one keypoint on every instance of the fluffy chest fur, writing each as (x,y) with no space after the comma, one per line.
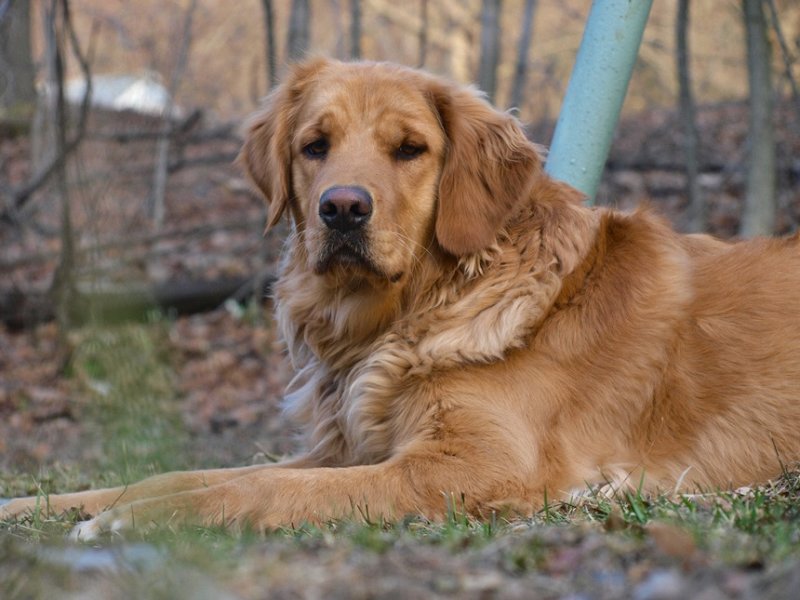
(367,360)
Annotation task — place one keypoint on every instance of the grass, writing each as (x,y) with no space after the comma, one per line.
(592,547)
(766,519)
(132,401)
(753,532)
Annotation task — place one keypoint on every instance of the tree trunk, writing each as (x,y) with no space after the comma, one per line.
(423,34)
(355,29)
(759,209)
(17,73)
(62,288)
(521,70)
(157,209)
(269,34)
(490,47)
(299,26)
(698,219)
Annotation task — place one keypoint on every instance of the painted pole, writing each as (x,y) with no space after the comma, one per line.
(595,93)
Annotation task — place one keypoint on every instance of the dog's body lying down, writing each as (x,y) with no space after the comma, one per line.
(461,324)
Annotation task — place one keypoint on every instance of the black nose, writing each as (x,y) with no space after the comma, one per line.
(345,208)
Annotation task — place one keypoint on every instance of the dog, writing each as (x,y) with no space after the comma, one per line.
(462,326)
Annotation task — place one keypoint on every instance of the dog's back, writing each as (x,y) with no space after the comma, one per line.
(738,358)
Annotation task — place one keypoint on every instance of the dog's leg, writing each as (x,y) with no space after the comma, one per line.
(286,497)
(93,502)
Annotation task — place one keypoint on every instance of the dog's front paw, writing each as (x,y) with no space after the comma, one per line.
(85,531)
(4,514)
(107,522)
(16,508)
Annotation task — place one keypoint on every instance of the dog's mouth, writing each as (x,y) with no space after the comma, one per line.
(348,254)
(347,251)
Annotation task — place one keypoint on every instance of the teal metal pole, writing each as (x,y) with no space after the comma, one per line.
(596,91)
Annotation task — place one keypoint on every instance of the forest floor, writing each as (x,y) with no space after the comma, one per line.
(202,391)
(119,402)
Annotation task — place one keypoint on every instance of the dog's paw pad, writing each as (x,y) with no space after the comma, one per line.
(86,531)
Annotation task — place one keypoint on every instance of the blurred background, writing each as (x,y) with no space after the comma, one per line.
(120,203)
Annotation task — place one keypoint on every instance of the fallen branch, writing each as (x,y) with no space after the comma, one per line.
(182,129)
(201,161)
(128,242)
(23,309)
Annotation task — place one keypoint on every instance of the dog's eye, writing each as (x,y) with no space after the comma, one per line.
(317,148)
(409,151)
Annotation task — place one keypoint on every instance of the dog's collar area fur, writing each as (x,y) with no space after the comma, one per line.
(490,304)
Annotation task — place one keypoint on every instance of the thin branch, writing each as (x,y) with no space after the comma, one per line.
(788,61)
(299,25)
(489,47)
(355,29)
(423,34)
(691,139)
(521,68)
(269,31)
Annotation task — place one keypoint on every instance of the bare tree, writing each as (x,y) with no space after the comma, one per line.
(697,206)
(759,209)
(59,31)
(521,70)
(299,26)
(17,73)
(355,29)
(269,31)
(490,47)
(156,204)
(46,166)
(63,284)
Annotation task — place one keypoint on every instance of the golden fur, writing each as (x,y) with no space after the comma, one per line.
(492,337)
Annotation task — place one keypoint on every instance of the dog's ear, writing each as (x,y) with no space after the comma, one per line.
(489,169)
(266,154)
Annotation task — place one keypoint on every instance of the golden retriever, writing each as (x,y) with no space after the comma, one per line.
(462,325)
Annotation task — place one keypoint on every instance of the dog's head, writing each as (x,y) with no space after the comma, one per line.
(376,163)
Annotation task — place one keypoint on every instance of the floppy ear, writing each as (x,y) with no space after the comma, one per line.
(489,170)
(266,154)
